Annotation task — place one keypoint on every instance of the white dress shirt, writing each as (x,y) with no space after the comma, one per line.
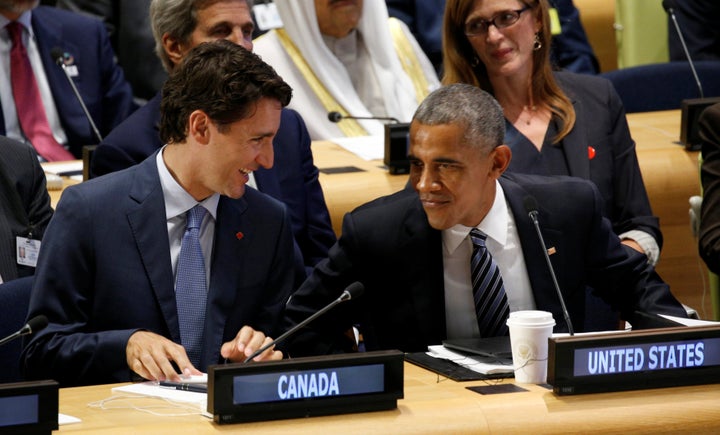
(504,245)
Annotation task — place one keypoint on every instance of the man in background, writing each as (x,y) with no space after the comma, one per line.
(39,106)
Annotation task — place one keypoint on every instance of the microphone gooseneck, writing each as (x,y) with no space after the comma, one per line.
(335,116)
(352,291)
(58,56)
(531,207)
(32,326)
(668,5)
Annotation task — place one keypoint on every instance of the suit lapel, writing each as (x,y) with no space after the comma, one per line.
(224,276)
(145,219)
(540,278)
(576,145)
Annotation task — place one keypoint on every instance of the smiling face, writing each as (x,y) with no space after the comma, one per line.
(235,150)
(509,50)
(337,18)
(455,181)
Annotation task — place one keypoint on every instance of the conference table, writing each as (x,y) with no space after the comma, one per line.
(431,404)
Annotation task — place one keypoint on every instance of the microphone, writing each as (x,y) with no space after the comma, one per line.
(668,5)
(337,117)
(32,326)
(58,55)
(352,291)
(530,204)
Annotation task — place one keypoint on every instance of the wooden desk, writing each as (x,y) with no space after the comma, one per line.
(437,405)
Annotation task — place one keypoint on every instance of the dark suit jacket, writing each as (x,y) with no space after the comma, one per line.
(709,129)
(400,263)
(105,271)
(601,124)
(24,203)
(100,80)
(293,179)
(128,24)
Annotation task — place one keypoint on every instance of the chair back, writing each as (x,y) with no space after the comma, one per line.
(14,303)
(663,86)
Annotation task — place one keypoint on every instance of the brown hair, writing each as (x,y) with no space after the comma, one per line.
(461,64)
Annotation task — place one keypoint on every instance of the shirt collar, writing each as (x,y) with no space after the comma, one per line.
(494,224)
(25,19)
(177,200)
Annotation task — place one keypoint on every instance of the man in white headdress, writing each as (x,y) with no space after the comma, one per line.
(347,56)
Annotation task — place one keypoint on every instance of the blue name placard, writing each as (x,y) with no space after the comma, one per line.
(651,358)
(304,387)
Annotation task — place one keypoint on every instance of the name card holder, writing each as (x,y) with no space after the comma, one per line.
(305,387)
(651,358)
(29,407)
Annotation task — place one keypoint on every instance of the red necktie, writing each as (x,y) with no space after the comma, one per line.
(28,103)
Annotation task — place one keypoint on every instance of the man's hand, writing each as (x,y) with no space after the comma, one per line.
(245,343)
(151,355)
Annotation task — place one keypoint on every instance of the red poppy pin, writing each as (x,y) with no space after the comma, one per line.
(591,153)
(239,235)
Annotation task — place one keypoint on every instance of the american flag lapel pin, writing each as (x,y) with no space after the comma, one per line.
(551,250)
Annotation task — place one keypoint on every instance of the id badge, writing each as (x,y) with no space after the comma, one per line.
(27,251)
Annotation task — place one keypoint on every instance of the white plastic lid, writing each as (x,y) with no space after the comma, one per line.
(531,317)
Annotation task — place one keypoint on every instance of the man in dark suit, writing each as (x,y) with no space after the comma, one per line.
(108,277)
(90,61)
(293,179)
(128,24)
(25,208)
(411,250)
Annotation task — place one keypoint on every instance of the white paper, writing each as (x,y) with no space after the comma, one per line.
(152,389)
(64,168)
(365,147)
(67,419)
(476,363)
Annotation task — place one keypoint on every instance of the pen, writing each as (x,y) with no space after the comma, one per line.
(195,388)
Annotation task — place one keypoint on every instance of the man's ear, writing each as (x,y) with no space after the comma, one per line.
(501,157)
(199,127)
(173,48)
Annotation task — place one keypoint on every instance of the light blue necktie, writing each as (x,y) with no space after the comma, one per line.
(491,303)
(190,287)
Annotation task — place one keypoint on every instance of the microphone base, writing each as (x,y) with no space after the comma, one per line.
(690,110)
(397,143)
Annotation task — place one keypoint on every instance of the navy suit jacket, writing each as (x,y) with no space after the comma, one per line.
(105,272)
(293,179)
(601,124)
(100,81)
(24,203)
(400,263)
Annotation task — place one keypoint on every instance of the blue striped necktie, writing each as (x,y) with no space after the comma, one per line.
(191,287)
(491,303)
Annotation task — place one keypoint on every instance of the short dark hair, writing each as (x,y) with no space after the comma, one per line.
(222,79)
(475,110)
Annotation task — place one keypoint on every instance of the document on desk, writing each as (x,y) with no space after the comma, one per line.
(72,169)
(476,363)
(153,389)
(365,147)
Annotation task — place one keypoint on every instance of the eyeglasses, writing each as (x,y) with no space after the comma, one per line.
(501,20)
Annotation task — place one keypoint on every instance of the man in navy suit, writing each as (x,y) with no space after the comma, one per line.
(293,179)
(106,276)
(90,62)
(411,250)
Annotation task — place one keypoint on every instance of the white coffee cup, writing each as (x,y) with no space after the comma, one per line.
(529,333)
